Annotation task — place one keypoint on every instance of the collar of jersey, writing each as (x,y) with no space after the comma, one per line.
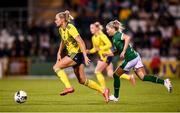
(65,27)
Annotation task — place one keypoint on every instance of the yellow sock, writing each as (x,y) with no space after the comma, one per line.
(125,76)
(101,79)
(63,77)
(93,85)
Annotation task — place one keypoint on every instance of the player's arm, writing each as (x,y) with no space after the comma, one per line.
(74,33)
(83,48)
(107,43)
(126,39)
(61,47)
(113,52)
(93,50)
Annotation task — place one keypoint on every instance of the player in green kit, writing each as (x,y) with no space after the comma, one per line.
(131,59)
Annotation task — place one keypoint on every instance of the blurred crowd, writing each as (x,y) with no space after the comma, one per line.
(154,26)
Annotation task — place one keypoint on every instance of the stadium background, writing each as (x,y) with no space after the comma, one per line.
(29,41)
(29,38)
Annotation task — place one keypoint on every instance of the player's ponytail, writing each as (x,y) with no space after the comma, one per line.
(66,15)
(116,25)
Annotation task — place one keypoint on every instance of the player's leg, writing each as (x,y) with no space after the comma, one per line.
(79,72)
(151,78)
(117,83)
(59,69)
(147,77)
(127,66)
(124,67)
(140,71)
(125,76)
(131,78)
(109,70)
(98,71)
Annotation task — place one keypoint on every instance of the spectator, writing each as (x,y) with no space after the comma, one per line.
(153,25)
(155,64)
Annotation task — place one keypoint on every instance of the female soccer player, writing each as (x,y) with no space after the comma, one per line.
(76,56)
(102,45)
(131,59)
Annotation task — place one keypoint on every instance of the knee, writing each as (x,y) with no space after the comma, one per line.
(110,73)
(97,71)
(141,78)
(55,68)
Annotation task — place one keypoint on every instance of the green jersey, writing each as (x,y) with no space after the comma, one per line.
(118,43)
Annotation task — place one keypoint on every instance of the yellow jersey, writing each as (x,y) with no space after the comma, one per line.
(68,35)
(102,42)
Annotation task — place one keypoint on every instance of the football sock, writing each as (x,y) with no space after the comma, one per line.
(125,76)
(101,79)
(93,85)
(153,79)
(117,84)
(63,77)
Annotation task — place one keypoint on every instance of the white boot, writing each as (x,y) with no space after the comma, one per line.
(113,98)
(168,85)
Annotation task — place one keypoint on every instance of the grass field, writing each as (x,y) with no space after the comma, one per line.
(43,95)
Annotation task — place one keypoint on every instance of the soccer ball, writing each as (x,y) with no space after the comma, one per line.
(20,96)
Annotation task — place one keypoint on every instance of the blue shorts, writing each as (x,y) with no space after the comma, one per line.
(78,58)
(108,60)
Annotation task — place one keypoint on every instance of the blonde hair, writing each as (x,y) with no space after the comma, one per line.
(116,25)
(66,15)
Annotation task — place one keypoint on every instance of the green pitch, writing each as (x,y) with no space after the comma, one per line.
(43,95)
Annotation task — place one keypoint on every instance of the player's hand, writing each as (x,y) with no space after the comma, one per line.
(122,55)
(87,60)
(97,49)
(108,54)
(87,51)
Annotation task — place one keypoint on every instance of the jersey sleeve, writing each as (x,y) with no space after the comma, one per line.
(93,50)
(121,37)
(73,31)
(106,41)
